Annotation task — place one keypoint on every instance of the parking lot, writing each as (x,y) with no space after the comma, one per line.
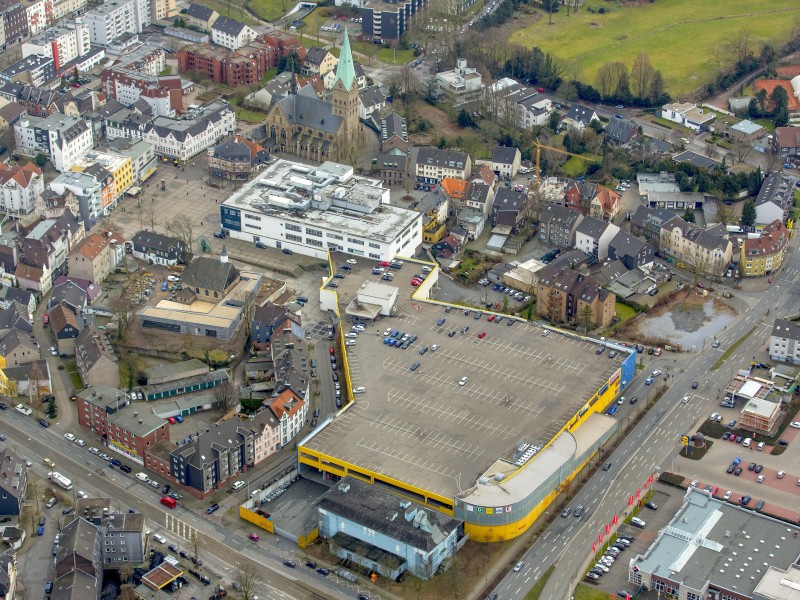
(488,387)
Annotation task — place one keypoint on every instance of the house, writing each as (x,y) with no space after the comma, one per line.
(455,190)
(632,251)
(478,196)
(269,318)
(11,295)
(578,195)
(65,327)
(621,131)
(318,61)
(95,358)
(447,247)
(21,186)
(506,161)
(472,221)
(514,104)
(70,295)
(201,17)
(44,250)
(91,290)
(765,254)
(565,295)
(290,410)
(708,250)
(158,249)
(122,532)
(50,205)
(646,223)
(694,159)
(460,85)
(435,164)
(580,116)
(606,204)
(557,225)
(784,343)
(105,411)
(230,33)
(92,258)
(698,119)
(592,236)
(674,111)
(785,142)
(11,114)
(775,198)
(78,562)
(393,169)
(394,134)
(510,208)
(384,532)
(370,100)
(236,159)
(742,130)
(8,564)
(13,482)
(434,206)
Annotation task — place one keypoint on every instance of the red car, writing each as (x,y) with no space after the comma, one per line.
(415,282)
(491,318)
(481,335)
(331,351)
(172,421)
(383,264)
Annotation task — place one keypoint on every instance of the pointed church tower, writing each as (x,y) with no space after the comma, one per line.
(345,89)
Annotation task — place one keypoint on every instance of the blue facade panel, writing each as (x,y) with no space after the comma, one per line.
(231,218)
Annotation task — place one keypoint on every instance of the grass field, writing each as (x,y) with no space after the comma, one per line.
(271,10)
(586,592)
(679,35)
(222,7)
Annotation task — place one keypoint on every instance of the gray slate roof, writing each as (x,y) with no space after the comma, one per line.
(627,245)
(776,189)
(306,110)
(442,158)
(620,131)
(580,113)
(69,293)
(230,26)
(209,273)
(784,328)
(507,199)
(558,214)
(592,227)
(504,154)
(393,124)
(315,55)
(200,12)
(151,240)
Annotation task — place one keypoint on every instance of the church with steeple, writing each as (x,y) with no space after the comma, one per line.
(320,130)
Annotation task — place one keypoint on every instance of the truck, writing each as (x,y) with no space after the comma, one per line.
(59,480)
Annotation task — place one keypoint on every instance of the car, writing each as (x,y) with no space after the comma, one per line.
(732,423)
(441,321)
(760,479)
(80,443)
(716,344)
(651,505)
(621,400)
(518,567)
(737,471)
(43,423)
(289,563)
(782,442)
(607,466)
(481,335)
(566,512)
(694,385)
(745,500)
(212,509)
(287,251)
(760,446)
(656,373)
(463,381)
(352,261)
(48,587)
(592,577)
(125,468)
(648,381)
(113,461)
(600,350)
(82,494)
(94,450)
(333,286)
(175,496)
(434,347)
(172,420)
(730,469)
(423,350)
(323,571)
(795,425)
(69,436)
(751,467)
(261,245)
(491,318)
(338,276)
(634,400)
(253,537)
(637,522)
(739,439)
(451,334)
(759,505)
(159,538)
(331,351)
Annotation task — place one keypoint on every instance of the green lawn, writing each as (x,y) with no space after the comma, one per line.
(766,124)
(235,12)
(679,35)
(270,10)
(574,167)
(538,587)
(587,592)
(388,56)
(75,377)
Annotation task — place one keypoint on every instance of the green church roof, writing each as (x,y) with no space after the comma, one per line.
(345,71)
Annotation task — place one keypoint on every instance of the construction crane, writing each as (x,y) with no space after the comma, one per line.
(539,146)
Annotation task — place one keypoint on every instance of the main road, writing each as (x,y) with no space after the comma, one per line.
(567,542)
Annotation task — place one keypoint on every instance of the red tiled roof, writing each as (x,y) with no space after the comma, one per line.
(21,174)
(454,188)
(608,199)
(773,240)
(287,403)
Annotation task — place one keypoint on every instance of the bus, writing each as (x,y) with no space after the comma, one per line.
(169,502)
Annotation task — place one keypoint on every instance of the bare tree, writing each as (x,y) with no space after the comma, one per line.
(771,161)
(226,395)
(250,582)
(742,150)
(182,228)
(35,494)
(741,44)
(609,77)
(125,573)
(196,544)
(125,311)
(35,378)
(642,74)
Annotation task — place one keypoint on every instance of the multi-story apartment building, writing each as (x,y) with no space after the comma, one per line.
(157,249)
(67,8)
(765,254)
(163,10)
(562,295)
(708,250)
(93,259)
(186,138)
(784,343)
(122,533)
(63,43)
(115,18)
(120,168)
(385,21)
(231,34)
(13,482)
(236,159)
(164,94)
(39,14)
(62,138)
(21,185)
(95,358)
(15,21)
(557,225)
(435,164)
(245,66)
(88,192)
(32,70)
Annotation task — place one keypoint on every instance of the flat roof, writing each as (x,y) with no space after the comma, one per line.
(422,427)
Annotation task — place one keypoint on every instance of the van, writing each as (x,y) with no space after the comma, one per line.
(238,485)
(50,503)
(169,502)
(142,476)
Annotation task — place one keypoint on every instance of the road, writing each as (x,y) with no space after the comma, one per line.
(651,442)
(221,549)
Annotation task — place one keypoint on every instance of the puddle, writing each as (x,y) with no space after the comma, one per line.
(688,325)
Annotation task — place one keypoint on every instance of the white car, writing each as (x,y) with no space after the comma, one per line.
(28,462)
(518,567)
(694,483)
(463,381)
(795,424)
(82,494)
(94,450)
(760,479)
(80,443)
(70,437)
(727,495)
(387,332)
(350,343)
(160,539)
(434,347)
(655,373)
(352,261)
(53,351)
(359,390)
(714,416)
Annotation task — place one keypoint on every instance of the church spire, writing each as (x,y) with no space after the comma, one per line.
(345,71)
(293,82)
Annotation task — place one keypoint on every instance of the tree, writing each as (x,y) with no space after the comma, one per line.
(611,78)
(124,310)
(226,395)
(550,6)
(642,74)
(125,573)
(585,318)
(40,160)
(196,544)
(250,583)
(567,91)
(742,150)
(464,119)
(740,45)
(552,123)
(289,62)
(748,218)
(658,90)
(182,228)
(768,55)
(35,378)
(430,88)
(688,216)
(779,100)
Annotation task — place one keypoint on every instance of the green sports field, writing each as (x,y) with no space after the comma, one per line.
(679,35)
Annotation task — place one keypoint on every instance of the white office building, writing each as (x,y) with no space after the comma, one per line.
(311,210)
(115,18)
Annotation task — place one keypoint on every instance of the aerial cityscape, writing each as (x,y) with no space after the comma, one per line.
(399,300)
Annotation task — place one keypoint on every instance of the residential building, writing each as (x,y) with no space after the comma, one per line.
(116,168)
(579,195)
(69,294)
(230,33)
(92,259)
(65,327)
(688,557)
(163,10)
(95,358)
(163,94)
(394,134)
(236,159)
(291,411)
(384,22)
(186,138)
(384,532)
(775,198)
(21,185)
(128,430)
(393,169)
(786,142)
(32,70)
(318,130)
(38,14)
(15,22)
(784,342)
(79,562)
(506,161)
(8,569)
(45,249)
(434,208)
(62,138)
(740,130)
(224,293)
(245,66)
(86,189)
(435,164)
(269,318)
(122,532)
(456,191)
(13,482)
(592,236)
(646,223)
(557,225)
(11,295)
(513,103)
(63,43)
(567,295)
(477,196)
(158,249)
(49,205)
(708,250)
(580,116)
(631,251)
(674,111)
(511,209)
(141,154)
(143,58)
(621,131)
(606,204)
(111,20)
(11,114)
(201,17)
(765,254)
(371,101)
(460,85)
(350,214)
(318,61)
